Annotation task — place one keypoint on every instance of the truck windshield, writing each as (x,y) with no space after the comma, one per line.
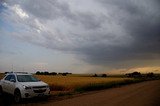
(26,78)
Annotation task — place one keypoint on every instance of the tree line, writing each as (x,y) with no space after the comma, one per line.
(139,75)
(52,73)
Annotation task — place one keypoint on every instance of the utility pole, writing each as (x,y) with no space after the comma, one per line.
(12,70)
(12,67)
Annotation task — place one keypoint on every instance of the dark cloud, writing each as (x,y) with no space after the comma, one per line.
(89,20)
(54,9)
(109,32)
(48,9)
(141,23)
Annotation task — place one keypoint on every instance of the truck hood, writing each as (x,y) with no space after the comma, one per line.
(32,84)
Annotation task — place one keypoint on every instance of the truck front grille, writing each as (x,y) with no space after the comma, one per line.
(39,91)
(35,87)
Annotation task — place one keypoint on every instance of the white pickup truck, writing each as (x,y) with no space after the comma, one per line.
(23,85)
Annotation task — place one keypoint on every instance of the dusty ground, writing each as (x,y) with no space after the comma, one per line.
(140,94)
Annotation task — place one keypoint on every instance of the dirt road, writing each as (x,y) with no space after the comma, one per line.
(140,94)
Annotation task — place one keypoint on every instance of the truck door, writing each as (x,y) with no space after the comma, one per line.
(11,84)
(5,83)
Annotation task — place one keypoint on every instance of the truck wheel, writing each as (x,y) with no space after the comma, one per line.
(1,91)
(17,96)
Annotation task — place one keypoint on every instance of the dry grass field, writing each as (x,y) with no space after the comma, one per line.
(70,83)
(1,75)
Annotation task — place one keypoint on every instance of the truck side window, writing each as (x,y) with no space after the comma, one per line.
(13,77)
(8,78)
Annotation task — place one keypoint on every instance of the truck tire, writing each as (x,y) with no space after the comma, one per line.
(17,96)
(1,91)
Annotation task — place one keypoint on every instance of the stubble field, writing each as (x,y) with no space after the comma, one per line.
(72,83)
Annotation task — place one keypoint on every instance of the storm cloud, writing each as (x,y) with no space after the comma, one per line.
(100,32)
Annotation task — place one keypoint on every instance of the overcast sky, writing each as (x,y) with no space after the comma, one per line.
(79,36)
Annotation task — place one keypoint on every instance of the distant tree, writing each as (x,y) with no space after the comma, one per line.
(104,75)
(68,73)
(134,74)
(150,75)
(95,75)
(46,73)
(53,73)
(60,73)
(64,74)
(38,73)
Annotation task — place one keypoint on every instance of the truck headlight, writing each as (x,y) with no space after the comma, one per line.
(26,87)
